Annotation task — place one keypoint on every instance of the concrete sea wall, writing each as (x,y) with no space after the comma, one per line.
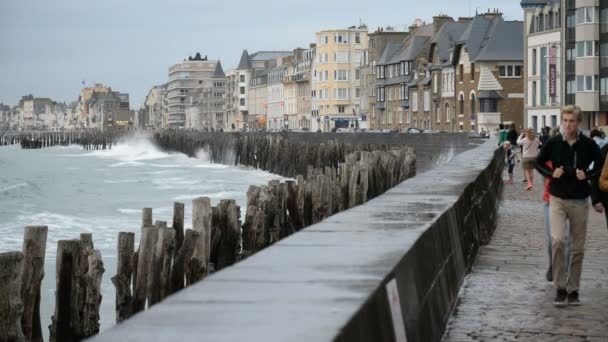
(386,270)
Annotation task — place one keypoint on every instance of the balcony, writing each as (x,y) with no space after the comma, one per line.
(380,105)
(489,118)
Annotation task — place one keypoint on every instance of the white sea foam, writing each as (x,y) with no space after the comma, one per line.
(122,181)
(12,187)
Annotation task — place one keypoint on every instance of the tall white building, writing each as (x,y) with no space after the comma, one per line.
(337,85)
(185,78)
(542,49)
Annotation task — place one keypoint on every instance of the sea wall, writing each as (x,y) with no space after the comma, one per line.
(386,270)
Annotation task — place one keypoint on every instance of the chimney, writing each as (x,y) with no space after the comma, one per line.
(465,19)
(493,13)
(439,20)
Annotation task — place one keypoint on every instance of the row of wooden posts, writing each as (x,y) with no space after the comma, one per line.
(89,140)
(168,259)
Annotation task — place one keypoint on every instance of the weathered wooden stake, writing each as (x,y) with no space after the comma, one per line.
(178,225)
(122,279)
(144,267)
(34,249)
(95,271)
(191,238)
(66,323)
(201,222)
(163,254)
(11,307)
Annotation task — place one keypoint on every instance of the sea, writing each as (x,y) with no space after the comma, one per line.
(74,191)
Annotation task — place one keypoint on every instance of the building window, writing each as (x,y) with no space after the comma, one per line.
(341,75)
(435,84)
(473,99)
(242,102)
(427,101)
(340,38)
(357,74)
(242,90)
(461,103)
(461,72)
(533,93)
(488,105)
(534,58)
(357,92)
(415,101)
(585,15)
(341,57)
(341,109)
(604,90)
(553,120)
(409,117)
(447,112)
(473,71)
(587,48)
(437,112)
(390,117)
(326,39)
(357,38)
(587,83)
(513,71)
(242,78)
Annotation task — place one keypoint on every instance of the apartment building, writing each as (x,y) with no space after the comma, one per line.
(298,88)
(337,86)
(185,78)
(154,107)
(205,104)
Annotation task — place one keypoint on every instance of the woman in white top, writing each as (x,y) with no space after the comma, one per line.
(530,145)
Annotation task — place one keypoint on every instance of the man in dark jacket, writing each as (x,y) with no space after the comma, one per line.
(572,154)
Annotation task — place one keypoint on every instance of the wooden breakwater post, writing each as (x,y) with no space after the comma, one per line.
(34,250)
(11,306)
(122,279)
(77,295)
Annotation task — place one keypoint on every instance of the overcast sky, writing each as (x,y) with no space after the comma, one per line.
(48,47)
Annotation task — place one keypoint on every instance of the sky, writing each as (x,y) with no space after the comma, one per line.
(48,48)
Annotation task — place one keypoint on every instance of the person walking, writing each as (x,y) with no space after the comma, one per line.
(576,159)
(544,135)
(510,160)
(530,146)
(502,134)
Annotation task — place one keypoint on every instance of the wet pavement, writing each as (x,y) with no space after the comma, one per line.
(506,296)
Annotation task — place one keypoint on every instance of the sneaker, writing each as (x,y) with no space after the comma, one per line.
(573,298)
(549,274)
(560,298)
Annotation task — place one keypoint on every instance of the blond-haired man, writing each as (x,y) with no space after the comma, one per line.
(572,155)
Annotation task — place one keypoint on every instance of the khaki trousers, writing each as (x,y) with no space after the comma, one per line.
(577,212)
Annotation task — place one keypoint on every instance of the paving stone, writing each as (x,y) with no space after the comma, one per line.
(506,296)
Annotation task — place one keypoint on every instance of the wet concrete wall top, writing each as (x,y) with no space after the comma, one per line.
(387,269)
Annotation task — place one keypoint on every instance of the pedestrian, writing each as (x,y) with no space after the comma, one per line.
(546,207)
(544,135)
(512,135)
(510,160)
(572,155)
(597,136)
(502,134)
(530,146)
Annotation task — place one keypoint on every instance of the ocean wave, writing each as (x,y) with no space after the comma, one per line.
(13,186)
(122,181)
(129,211)
(217,195)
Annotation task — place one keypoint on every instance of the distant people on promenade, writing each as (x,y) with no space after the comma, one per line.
(576,159)
(530,147)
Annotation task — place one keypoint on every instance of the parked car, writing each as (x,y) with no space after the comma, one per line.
(412,130)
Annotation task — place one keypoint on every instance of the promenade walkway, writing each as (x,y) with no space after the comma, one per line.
(506,296)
